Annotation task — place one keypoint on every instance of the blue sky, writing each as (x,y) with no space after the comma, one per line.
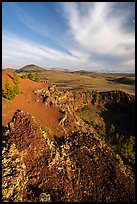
(94,36)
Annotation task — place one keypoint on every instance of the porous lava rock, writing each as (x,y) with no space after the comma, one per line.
(76,167)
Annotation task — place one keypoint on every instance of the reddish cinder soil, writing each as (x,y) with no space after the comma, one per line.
(27,101)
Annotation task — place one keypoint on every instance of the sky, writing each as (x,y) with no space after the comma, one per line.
(92,36)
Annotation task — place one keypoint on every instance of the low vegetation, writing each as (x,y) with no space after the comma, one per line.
(31,76)
(11,91)
(124,146)
(24,76)
(37,77)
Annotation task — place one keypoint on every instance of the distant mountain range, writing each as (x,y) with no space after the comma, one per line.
(31,67)
(35,68)
(8,70)
(11,66)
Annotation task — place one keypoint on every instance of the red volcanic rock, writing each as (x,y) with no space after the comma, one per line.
(27,136)
(78,167)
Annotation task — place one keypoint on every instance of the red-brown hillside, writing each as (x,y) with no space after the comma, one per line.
(29,102)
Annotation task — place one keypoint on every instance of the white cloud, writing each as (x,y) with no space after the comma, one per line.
(95,39)
(130,62)
(20,50)
(99,31)
(95,31)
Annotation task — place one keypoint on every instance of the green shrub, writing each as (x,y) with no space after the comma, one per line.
(30,75)
(37,77)
(16,89)
(11,91)
(128,149)
(124,147)
(15,78)
(7,85)
(24,76)
(8,93)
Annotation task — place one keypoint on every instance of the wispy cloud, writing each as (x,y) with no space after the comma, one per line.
(95,38)
(20,50)
(99,30)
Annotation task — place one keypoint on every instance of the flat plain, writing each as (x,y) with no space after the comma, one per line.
(88,81)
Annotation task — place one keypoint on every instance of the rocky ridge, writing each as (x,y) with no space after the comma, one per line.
(70,102)
(78,166)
